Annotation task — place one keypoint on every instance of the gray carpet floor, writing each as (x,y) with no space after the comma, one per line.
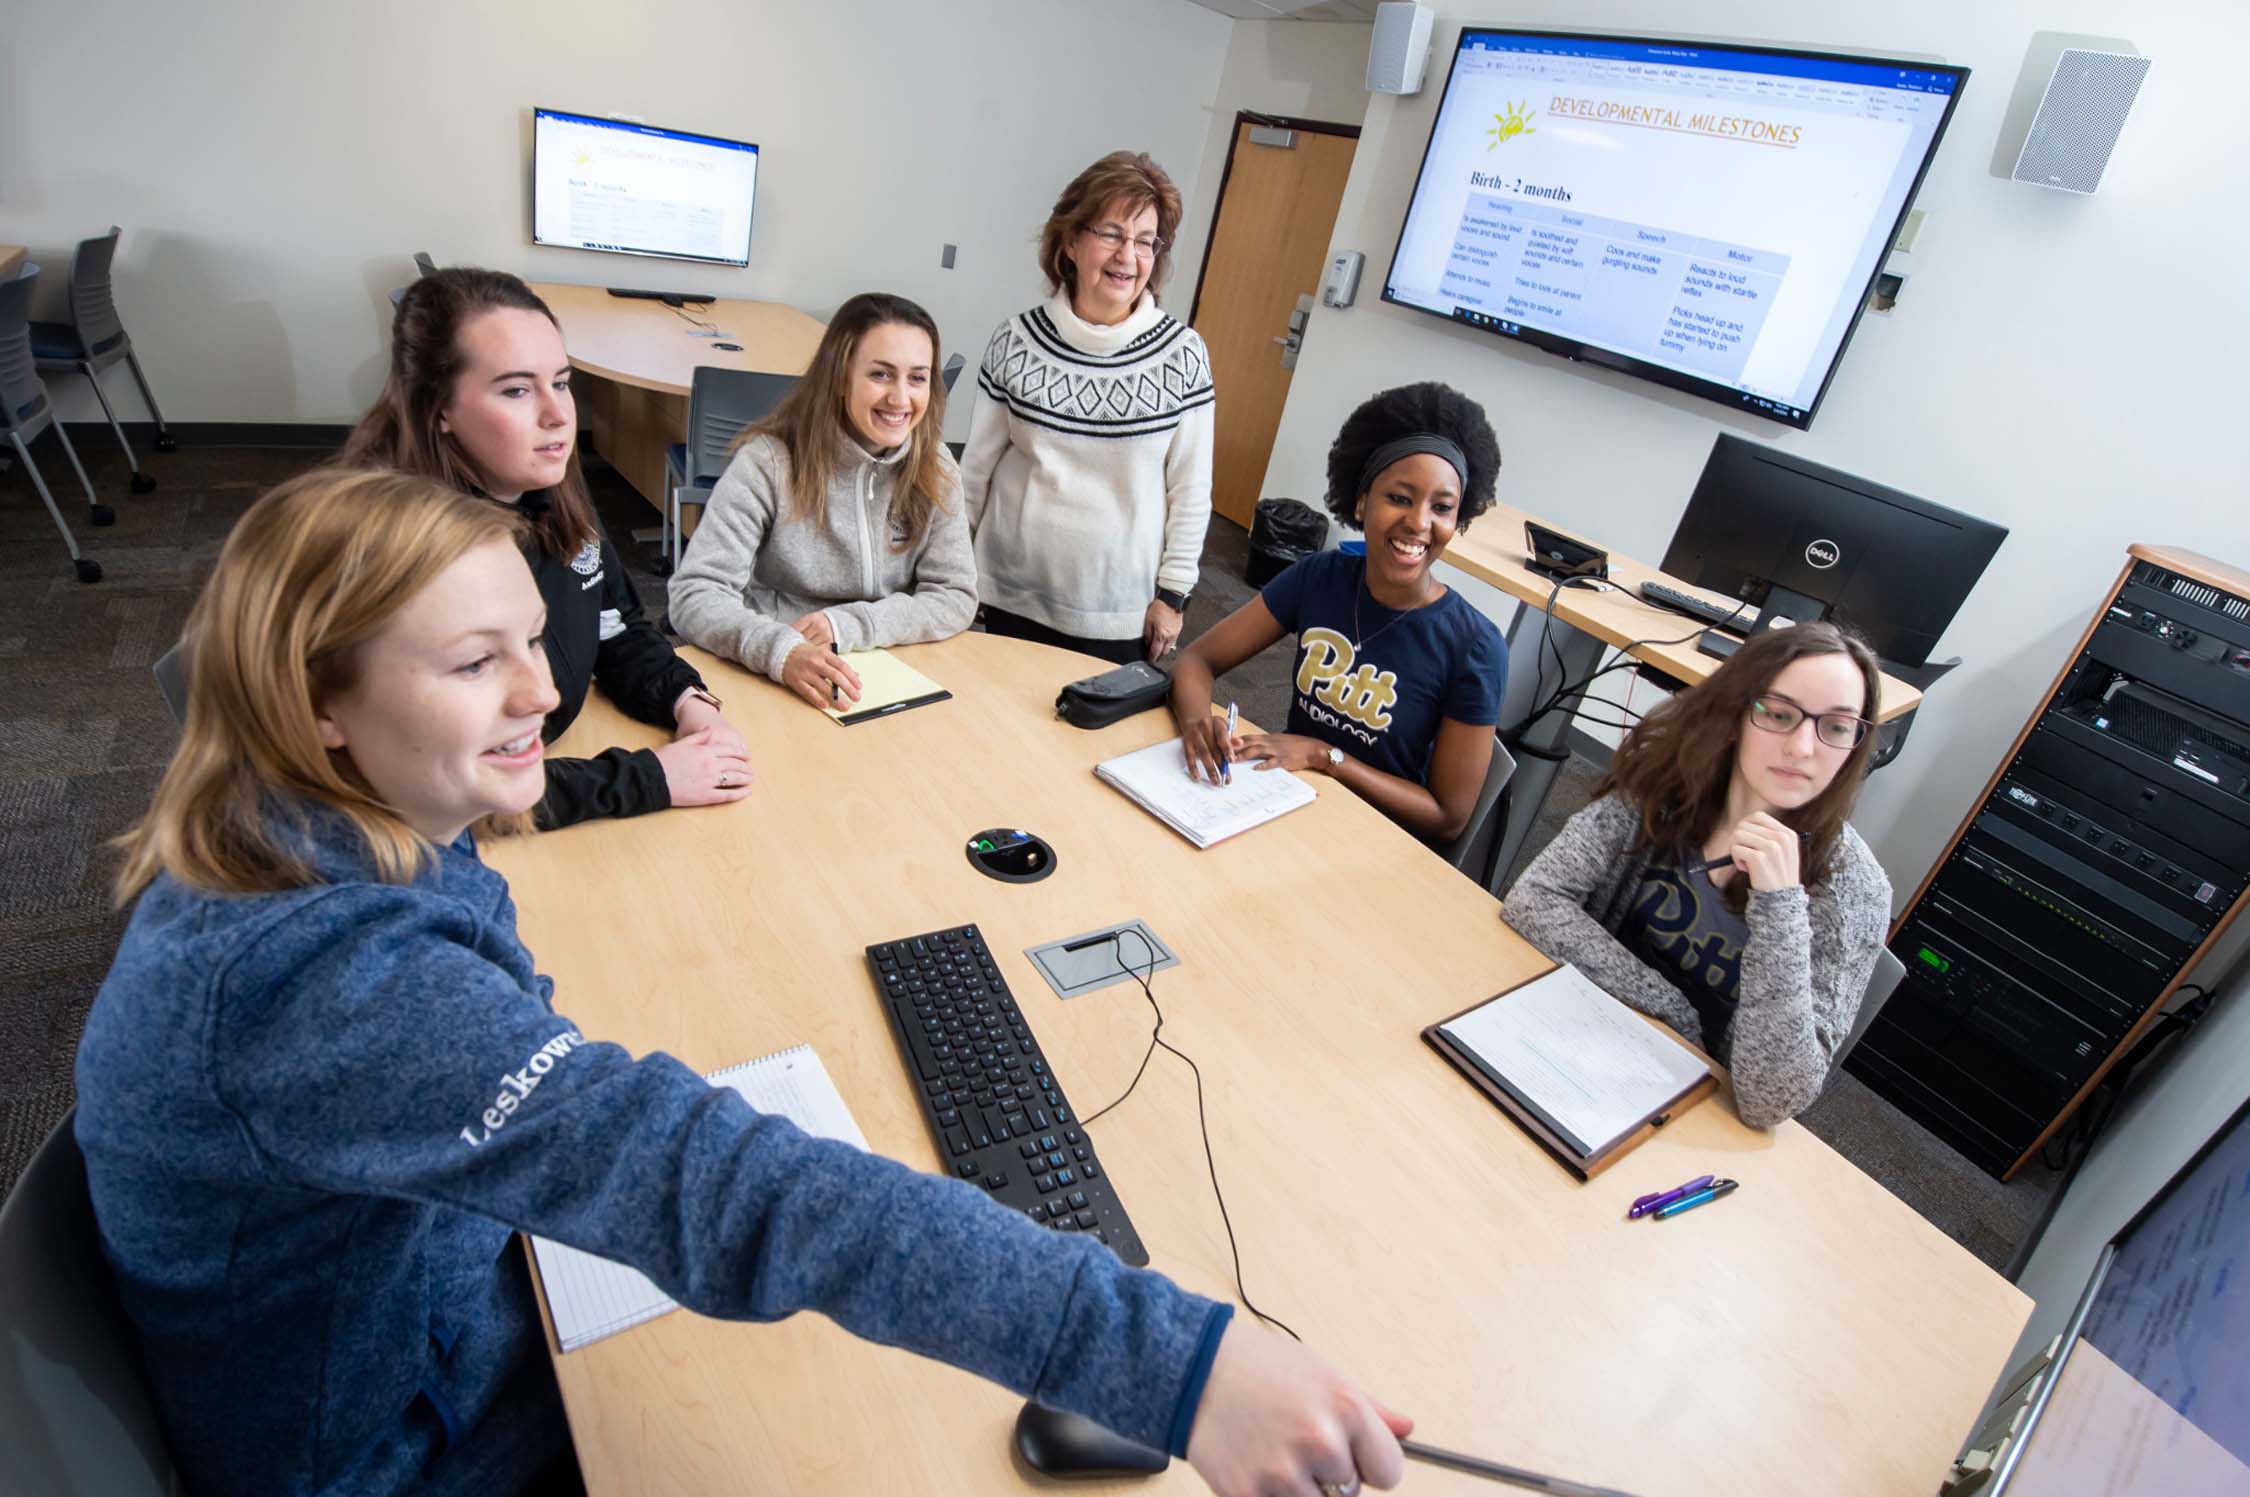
(84,737)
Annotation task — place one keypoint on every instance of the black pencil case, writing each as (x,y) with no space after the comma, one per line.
(1112,696)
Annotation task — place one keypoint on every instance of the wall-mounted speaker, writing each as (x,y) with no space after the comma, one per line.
(1399,54)
(2069,110)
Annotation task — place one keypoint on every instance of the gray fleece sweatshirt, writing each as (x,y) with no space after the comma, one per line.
(750,572)
(1810,953)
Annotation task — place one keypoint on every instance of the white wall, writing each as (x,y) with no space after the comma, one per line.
(1303,70)
(274,166)
(2067,367)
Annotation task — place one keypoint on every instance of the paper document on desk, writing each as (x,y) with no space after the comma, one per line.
(591,1297)
(886,685)
(1591,1068)
(1156,779)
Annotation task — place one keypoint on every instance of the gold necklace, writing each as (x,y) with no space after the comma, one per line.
(1360,643)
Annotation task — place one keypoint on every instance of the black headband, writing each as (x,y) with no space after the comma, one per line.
(1412,445)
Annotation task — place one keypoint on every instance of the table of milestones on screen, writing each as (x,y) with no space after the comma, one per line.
(1669,297)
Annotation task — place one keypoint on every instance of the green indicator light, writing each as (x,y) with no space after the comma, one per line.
(1932,959)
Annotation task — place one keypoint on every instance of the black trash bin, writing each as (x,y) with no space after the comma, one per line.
(1282,531)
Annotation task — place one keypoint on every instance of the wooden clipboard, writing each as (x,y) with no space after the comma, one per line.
(1584,1166)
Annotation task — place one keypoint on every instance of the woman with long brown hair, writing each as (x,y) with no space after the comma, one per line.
(479,399)
(324,1085)
(1716,883)
(1088,468)
(838,525)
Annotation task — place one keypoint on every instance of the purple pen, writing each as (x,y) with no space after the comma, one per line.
(1663,1198)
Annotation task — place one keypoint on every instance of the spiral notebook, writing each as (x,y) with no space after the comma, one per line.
(591,1297)
(1156,780)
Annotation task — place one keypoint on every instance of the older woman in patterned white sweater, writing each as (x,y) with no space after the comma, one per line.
(1715,884)
(1087,475)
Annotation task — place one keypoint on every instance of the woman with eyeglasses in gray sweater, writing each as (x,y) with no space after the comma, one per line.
(1714,882)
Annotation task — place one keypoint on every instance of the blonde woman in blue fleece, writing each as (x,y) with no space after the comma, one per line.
(323,1084)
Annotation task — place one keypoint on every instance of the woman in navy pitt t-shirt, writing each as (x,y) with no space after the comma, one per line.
(1398,678)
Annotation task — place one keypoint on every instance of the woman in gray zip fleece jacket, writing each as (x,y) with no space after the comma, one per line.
(1714,882)
(839,522)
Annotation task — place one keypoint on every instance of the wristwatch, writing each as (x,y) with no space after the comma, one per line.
(1177,602)
(704,697)
(1335,758)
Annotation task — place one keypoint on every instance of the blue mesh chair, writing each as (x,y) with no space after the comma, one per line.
(720,403)
(25,412)
(94,339)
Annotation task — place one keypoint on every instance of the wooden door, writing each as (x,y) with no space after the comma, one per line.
(1277,207)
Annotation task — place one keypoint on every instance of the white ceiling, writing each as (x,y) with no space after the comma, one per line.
(1361,12)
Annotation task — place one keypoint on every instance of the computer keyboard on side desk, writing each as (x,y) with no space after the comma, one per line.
(1717,615)
(1000,1117)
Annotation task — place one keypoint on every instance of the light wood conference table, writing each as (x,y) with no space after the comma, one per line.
(1397,1219)
(646,353)
(1587,622)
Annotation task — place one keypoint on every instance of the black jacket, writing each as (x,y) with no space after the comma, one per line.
(597,635)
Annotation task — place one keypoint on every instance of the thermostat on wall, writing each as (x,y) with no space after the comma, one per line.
(1341,283)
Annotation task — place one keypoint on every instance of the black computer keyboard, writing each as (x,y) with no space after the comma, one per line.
(1717,615)
(998,1113)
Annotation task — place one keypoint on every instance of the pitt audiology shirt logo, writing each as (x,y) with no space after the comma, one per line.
(1326,674)
(1505,127)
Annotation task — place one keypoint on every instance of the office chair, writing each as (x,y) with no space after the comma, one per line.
(171,675)
(94,339)
(1496,780)
(1881,983)
(720,403)
(75,1412)
(423,265)
(952,371)
(25,412)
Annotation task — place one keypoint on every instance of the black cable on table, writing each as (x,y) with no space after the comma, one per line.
(1202,1117)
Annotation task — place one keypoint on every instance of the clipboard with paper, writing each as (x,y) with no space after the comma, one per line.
(1588,1078)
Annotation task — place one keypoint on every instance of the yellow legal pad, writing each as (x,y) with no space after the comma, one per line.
(886,685)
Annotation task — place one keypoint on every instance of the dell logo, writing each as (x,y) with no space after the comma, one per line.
(1823,554)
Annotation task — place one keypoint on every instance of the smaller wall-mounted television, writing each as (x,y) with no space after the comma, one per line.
(629,189)
(1708,217)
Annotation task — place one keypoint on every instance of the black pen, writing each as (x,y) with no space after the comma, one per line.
(835,687)
(1513,1475)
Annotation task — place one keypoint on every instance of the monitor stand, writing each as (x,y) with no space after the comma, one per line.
(1784,608)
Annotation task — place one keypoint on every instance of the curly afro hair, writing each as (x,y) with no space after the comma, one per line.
(1403,412)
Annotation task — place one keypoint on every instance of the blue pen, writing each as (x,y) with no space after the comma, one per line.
(1226,760)
(1662,1198)
(1716,1189)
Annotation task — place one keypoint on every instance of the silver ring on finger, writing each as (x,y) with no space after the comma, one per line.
(726,782)
(1340,1488)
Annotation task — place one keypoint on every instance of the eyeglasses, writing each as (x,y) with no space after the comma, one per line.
(1146,246)
(1777,714)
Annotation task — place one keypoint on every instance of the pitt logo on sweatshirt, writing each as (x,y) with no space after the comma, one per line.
(1325,673)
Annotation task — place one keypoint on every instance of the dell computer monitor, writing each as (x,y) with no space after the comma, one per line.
(633,189)
(1710,217)
(1793,537)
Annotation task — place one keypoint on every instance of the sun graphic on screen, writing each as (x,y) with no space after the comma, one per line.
(1517,121)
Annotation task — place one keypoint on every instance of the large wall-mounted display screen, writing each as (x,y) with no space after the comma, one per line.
(633,189)
(1711,218)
